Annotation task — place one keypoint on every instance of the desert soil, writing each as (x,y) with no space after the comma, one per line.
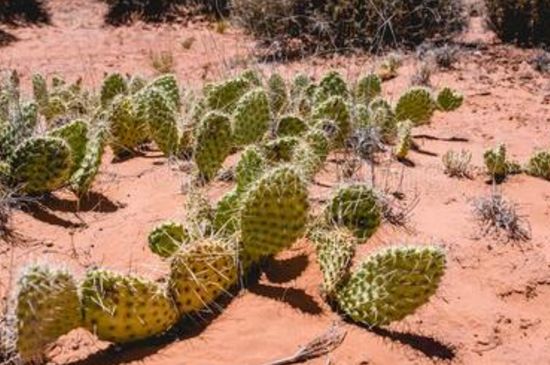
(492,306)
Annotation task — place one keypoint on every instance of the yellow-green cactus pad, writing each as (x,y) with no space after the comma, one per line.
(113,85)
(416,105)
(449,100)
(367,88)
(167,238)
(274,212)
(251,118)
(125,308)
(47,308)
(392,284)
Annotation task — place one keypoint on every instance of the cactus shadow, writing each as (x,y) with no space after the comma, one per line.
(294,297)
(91,202)
(429,346)
(283,271)
(39,212)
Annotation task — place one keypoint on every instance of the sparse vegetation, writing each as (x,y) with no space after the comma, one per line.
(293,27)
(458,164)
(23,11)
(163,61)
(499,216)
(525,22)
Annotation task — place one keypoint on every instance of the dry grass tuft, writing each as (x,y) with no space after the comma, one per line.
(163,62)
(499,216)
(458,164)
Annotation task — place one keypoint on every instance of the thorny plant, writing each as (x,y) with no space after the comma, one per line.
(422,75)
(499,216)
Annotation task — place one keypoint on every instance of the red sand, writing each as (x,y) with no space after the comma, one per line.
(492,307)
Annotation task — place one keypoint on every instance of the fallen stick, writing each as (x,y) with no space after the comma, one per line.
(320,346)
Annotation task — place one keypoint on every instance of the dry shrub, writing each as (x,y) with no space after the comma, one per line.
(293,26)
(155,11)
(23,11)
(526,22)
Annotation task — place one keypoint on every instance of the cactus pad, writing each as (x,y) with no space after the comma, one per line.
(368,87)
(47,308)
(41,164)
(449,100)
(539,165)
(355,207)
(416,105)
(224,96)
(290,126)
(121,309)
(278,97)
(274,212)
(391,284)
(335,109)
(249,168)
(113,85)
(251,118)
(166,238)
(161,121)
(213,144)
(200,273)
(404,139)
(75,134)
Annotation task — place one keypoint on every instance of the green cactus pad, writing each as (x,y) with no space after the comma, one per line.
(40,90)
(199,212)
(319,142)
(355,207)
(332,84)
(82,179)
(41,165)
(126,130)
(306,160)
(335,250)
(449,100)
(113,85)
(200,273)
(539,165)
(391,284)
(290,125)
(252,76)
(169,85)
(278,96)
(213,144)
(251,118)
(166,238)
(280,149)
(55,108)
(75,134)
(367,88)
(404,139)
(274,212)
(47,308)
(361,116)
(384,118)
(226,216)
(335,109)
(161,121)
(121,309)
(416,105)
(224,96)
(249,168)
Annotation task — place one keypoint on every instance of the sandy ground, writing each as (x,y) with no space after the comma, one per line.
(492,307)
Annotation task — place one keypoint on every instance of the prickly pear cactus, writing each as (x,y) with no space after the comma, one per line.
(335,109)
(382,117)
(226,216)
(280,149)
(404,139)
(113,85)
(161,121)
(75,134)
(306,160)
(251,118)
(539,165)
(335,250)
(332,84)
(55,108)
(41,165)
(254,77)
(224,96)
(169,85)
(200,273)
(199,212)
(47,308)
(416,105)
(290,125)
(166,238)
(136,83)
(119,308)
(495,161)
(213,144)
(274,212)
(319,142)
(40,90)
(355,207)
(368,87)
(449,100)
(249,168)
(82,179)
(126,130)
(278,97)
(391,284)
